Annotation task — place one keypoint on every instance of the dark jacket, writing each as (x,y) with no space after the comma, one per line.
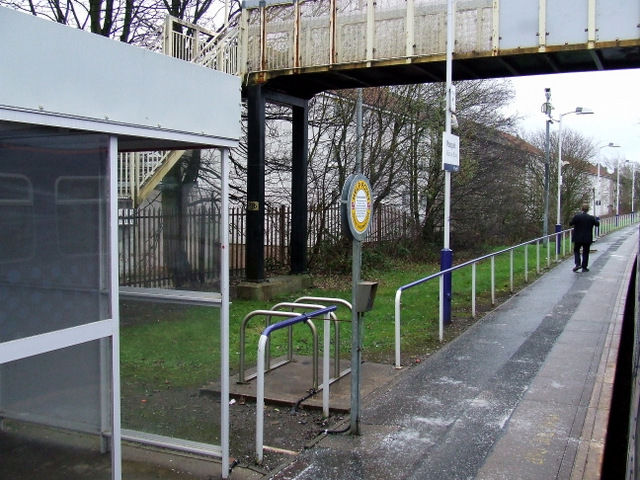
(583,224)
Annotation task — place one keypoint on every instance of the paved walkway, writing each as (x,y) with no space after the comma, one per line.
(523,394)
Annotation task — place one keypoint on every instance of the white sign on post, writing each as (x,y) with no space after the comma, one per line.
(450,152)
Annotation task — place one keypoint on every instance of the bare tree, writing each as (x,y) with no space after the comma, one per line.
(402,147)
(130,21)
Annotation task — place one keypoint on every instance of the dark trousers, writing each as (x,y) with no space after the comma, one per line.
(584,263)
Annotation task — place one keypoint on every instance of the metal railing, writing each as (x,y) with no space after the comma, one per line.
(545,241)
(298,304)
(548,242)
(193,43)
(133,169)
(614,222)
(327,380)
(140,172)
(262,346)
(268,314)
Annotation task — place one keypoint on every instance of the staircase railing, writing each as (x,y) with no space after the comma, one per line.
(140,173)
(133,169)
(196,44)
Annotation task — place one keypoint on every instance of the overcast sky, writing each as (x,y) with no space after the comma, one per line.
(614,96)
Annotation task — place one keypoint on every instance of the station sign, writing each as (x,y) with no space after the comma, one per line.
(356,206)
(450,152)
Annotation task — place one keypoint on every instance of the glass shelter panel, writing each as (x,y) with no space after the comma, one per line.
(170,367)
(53,249)
(171,338)
(55,304)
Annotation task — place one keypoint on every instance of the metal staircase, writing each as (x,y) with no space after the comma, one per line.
(139,173)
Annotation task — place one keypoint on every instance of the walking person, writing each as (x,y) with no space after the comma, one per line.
(583,224)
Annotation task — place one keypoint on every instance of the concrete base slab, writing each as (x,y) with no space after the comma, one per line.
(293,381)
(273,287)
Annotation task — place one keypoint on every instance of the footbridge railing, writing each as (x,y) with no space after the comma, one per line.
(290,36)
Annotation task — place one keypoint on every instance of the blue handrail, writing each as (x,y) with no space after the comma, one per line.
(473,262)
(606,225)
(292,321)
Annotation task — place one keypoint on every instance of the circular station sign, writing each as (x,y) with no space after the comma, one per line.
(357,205)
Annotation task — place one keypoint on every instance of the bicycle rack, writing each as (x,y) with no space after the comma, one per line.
(262,343)
(269,314)
(243,378)
(337,374)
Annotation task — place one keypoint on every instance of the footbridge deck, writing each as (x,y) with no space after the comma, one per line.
(304,47)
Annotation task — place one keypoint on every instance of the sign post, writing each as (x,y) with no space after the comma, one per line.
(450,163)
(356,213)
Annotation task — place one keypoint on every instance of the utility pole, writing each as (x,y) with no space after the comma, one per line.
(546,109)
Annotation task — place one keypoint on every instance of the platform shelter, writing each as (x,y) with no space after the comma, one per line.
(70,101)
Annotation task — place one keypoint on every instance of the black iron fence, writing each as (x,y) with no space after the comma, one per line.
(151,239)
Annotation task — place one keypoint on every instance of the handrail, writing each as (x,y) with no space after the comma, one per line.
(309,306)
(607,225)
(472,262)
(264,337)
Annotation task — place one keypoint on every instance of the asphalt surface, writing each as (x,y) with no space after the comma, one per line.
(524,393)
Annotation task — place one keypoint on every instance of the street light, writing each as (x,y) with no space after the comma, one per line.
(577,111)
(547,108)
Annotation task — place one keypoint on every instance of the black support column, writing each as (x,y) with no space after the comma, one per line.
(299,196)
(254,261)
(257,97)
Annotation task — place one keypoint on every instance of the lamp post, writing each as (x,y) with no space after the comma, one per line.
(546,109)
(577,111)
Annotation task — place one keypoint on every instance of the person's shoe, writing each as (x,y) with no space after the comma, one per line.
(576,268)
(585,269)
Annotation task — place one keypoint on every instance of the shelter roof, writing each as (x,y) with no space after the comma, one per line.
(68,78)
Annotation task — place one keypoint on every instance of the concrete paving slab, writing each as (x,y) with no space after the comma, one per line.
(292,382)
(539,433)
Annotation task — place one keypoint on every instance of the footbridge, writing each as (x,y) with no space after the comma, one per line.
(305,47)
(288,51)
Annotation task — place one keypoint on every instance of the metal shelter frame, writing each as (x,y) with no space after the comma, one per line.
(60,112)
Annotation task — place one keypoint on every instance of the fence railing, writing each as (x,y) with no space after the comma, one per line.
(547,242)
(144,255)
(146,250)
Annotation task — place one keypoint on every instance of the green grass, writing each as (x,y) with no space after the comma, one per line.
(180,346)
